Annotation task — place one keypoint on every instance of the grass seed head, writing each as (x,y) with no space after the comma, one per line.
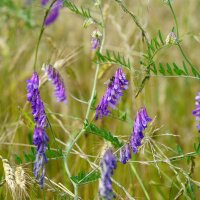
(22,181)
(9,176)
(20,177)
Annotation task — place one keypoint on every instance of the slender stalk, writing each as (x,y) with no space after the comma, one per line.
(140,182)
(69,175)
(40,34)
(174,16)
(173,168)
(60,187)
(37,47)
(52,132)
(125,191)
(192,77)
(125,9)
(72,142)
(184,55)
(97,69)
(144,35)
(195,71)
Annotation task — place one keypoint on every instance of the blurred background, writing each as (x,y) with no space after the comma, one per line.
(67,43)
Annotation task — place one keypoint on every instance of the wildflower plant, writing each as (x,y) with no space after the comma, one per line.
(113,94)
(66,142)
(40,138)
(57,81)
(107,164)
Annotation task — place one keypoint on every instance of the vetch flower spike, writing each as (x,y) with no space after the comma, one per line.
(40,138)
(141,121)
(196,112)
(108,164)
(55,77)
(113,94)
(33,96)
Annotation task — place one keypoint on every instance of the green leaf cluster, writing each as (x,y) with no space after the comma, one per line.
(113,58)
(79,11)
(85,178)
(91,128)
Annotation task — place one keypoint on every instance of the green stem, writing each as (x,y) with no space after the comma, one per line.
(125,9)
(41,33)
(184,55)
(72,142)
(52,132)
(69,175)
(140,181)
(93,91)
(37,47)
(174,16)
(195,71)
(97,70)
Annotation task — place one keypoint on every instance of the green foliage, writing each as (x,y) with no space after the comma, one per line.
(54,153)
(197,146)
(167,69)
(94,100)
(85,178)
(30,156)
(174,70)
(27,157)
(191,190)
(67,119)
(79,11)
(179,150)
(18,159)
(155,46)
(91,128)
(113,58)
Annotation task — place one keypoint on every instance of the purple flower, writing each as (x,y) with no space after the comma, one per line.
(54,76)
(108,164)
(125,153)
(171,38)
(96,39)
(113,94)
(54,12)
(140,125)
(34,98)
(44,2)
(32,86)
(40,138)
(196,112)
(95,43)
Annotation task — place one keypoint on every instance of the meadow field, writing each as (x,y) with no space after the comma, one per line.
(156,44)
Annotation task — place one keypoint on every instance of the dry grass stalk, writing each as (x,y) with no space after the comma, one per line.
(9,176)
(21,179)
(17,180)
